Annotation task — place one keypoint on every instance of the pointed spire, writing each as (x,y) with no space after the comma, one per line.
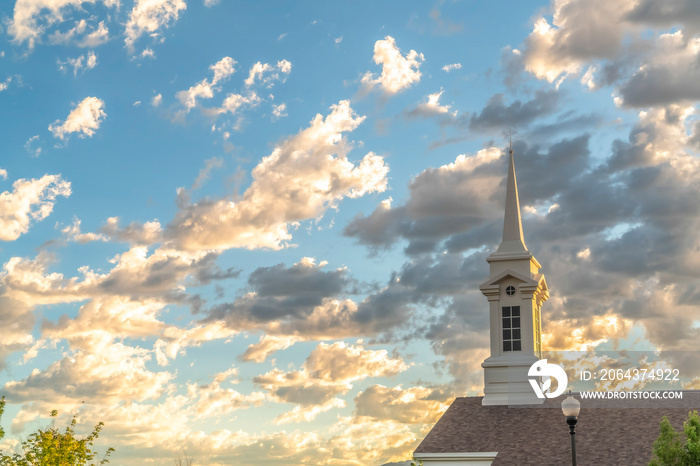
(512,224)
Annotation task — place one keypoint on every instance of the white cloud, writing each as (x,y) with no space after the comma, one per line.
(267,345)
(438,189)
(398,72)
(123,303)
(31,18)
(209,3)
(577,335)
(135,273)
(338,40)
(432,106)
(91,61)
(148,53)
(660,138)
(580,31)
(73,233)
(308,413)
(18,336)
(142,426)
(27,281)
(3,173)
(279,111)
(372,442)
(103,319)
(79,35)
(110,374)
(340,362)
(151,432)
(233,102)
(97,37)
(327,372)
(232,105)
(205,89)
(32,147)
(414,405)
(670,74)
(106,317)
(588,78)
(189,97)
(30,201)
(135,233)
(209,165)
(436,192)
(84,119)
(267,74)
(299,180)
(156,100)
(451,67)
(213,400)
(540,58)
(175,340)
(83,62)
(149,16)
(222,69)
(5,84)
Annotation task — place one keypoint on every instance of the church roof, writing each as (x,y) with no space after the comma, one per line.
(605,436)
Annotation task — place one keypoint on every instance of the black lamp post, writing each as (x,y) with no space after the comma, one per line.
(571,407)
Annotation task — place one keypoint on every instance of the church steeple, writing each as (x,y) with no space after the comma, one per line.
(513,241)
(516,291)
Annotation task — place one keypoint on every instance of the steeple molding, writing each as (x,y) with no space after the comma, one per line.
(507,256)
(494,283)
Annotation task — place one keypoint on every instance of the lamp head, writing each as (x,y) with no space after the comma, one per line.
(570,406)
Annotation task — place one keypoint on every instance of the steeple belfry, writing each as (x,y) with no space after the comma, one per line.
(513,241)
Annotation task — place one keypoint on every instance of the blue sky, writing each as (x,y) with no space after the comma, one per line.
(253,232)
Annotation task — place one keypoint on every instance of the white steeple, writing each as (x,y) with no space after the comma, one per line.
(515,290)
(513,241)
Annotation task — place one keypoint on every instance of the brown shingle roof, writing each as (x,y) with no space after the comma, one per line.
(615,436)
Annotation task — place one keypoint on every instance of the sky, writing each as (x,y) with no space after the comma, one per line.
(252,233)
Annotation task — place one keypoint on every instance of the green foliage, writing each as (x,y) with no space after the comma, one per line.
(691,428)
(668,448)
(673,448)
(2,410)
(51,447)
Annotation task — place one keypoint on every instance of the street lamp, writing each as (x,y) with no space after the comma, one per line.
(571,407)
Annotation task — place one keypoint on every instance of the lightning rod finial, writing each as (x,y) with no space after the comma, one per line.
(510,138)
